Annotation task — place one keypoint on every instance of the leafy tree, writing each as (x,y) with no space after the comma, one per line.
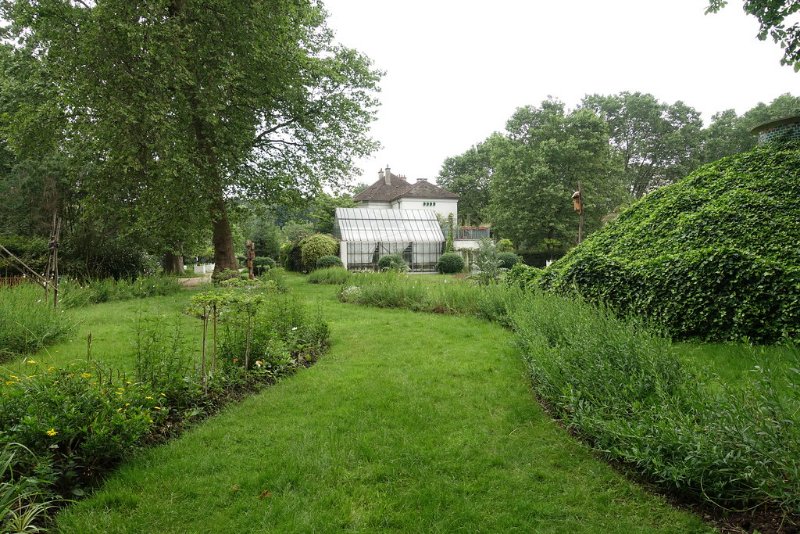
(657,143)
(546,153)
(469,175)
(178,107)
(730,134)
(773,15)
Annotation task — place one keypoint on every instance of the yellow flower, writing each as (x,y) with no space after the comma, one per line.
(52,432)
(86,375)
(31,362)
(148,397)
(157,408)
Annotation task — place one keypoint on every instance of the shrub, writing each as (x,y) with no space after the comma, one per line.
(330,275)
(329,261)
(523,276)
(449,263)
(392,262)
(712,256)
(219,277)
(262,264)
(507,260)
(27,322)
(505,245)
(314,247)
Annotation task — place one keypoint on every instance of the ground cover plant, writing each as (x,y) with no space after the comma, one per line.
(80,420)
(711,257)
(625,390)
(433,431)
(27,322)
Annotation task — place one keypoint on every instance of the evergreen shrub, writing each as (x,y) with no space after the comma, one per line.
(507,259)
(450,263)
(329,261)
(314,247)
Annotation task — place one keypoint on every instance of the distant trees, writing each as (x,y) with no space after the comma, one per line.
(618,146)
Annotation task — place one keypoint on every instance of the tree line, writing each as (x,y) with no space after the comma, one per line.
(619,147)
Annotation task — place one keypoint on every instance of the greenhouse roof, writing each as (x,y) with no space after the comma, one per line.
(387,226)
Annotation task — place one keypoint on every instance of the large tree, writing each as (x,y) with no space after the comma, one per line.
(176,107)
(537,166)
(469,175)
(657,143)
(774,16)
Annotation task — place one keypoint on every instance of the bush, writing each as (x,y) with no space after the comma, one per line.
(262,264)
(392,262)
(329,261)
(505,245)
(449,263)
(219,277)
(523,276)
(329,275)
(711,257)
(507,260)
(314,247)
(27,322)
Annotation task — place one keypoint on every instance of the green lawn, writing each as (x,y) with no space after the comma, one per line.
(411,423)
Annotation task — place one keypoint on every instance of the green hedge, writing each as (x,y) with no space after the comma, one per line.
(713,256)
(314,247)
(450,263)
(329,261)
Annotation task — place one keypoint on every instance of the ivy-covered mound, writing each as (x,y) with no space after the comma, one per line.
(715,256)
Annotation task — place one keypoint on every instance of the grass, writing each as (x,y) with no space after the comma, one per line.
(27,322)
(112,328)
(412,422)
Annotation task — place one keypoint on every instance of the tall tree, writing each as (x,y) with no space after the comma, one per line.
(538,165)
(178,107)
(469,175)
(774,16)
(657,143)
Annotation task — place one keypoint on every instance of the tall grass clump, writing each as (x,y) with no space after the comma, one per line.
(27,322)
(329,275)
(621,387)
(73,294)
(455,297)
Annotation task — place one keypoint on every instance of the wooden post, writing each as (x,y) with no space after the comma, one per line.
(577,205)
(251,256)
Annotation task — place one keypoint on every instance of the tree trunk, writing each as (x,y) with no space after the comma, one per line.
(172,263)
(224,255)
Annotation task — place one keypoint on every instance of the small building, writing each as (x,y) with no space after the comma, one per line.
(780,130)
(397,217)
(366,235)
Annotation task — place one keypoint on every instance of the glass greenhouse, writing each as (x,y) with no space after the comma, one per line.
(368,234)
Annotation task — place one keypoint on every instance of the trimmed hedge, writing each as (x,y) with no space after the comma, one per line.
(329,261)
(507,259)
(713,256)
(450,263)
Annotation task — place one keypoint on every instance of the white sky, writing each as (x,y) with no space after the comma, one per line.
(457,69)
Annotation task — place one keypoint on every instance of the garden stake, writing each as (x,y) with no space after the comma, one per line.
(203,358)
(89,347)
(214,348)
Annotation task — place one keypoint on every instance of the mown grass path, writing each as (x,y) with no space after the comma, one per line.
(411,423)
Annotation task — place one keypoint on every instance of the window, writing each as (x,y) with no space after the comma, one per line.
(428,204)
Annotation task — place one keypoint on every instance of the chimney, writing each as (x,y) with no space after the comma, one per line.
(380,174)
(387,176)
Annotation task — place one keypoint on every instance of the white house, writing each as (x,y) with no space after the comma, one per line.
(395,192)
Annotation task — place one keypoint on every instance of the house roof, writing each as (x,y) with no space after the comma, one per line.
(362,225)
(398,187)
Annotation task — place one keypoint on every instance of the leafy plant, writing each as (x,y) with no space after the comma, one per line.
(392,262)
(329,261)
(507,260)
(316,246)
(449,263)
(27,322)
(331,275)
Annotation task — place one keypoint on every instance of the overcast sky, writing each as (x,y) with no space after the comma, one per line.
(457,69)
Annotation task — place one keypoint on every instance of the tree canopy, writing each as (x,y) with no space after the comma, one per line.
(176,108)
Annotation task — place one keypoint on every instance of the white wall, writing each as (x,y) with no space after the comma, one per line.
(372,205)
(443,207)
